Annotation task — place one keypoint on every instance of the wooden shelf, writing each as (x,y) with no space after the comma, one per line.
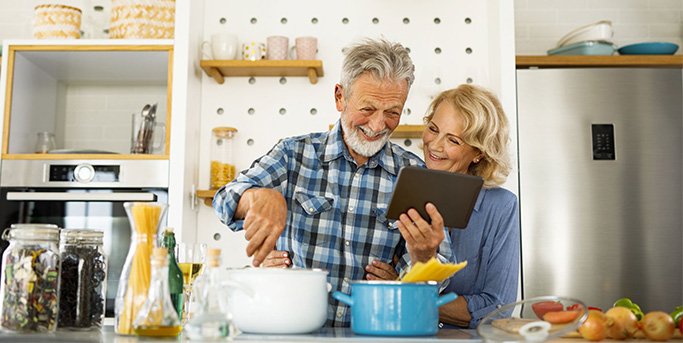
(614,61)
(207,195)
(406,131)
(219,69)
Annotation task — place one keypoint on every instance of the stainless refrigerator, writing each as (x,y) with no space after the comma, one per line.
(601,191)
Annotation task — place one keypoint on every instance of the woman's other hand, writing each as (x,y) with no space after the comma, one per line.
(422,238)
(379,270)
(277,259)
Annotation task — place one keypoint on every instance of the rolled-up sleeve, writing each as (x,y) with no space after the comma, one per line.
(268,171)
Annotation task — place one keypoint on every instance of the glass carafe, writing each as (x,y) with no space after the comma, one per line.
(158,317)
(145,219)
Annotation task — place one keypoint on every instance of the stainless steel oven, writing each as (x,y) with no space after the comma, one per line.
(82,194)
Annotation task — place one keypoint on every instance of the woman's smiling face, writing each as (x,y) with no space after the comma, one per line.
(442,146)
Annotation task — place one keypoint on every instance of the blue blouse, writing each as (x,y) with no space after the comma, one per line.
(490,244)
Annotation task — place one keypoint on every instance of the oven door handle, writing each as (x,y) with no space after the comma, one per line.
(67,196)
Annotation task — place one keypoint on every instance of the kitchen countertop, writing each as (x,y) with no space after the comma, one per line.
(107,335)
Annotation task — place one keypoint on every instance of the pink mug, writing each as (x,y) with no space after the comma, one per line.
(306,48)
(277,47)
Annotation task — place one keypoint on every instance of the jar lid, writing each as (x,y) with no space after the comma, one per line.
(81,235)
(34,232)
(224,131)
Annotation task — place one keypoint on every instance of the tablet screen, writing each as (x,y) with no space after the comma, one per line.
(453,194)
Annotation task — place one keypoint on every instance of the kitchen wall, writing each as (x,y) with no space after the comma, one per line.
(539,24)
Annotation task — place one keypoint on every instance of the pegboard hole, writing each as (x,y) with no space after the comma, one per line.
(250,142)
(283,111)
(407,111)
(223,21)
(469,80)
(437,80)
(375,20)
(406,20)
(468,50)
(252,80)
(253,20)
(251,111)
(216,236)
(314,111)
(408,142)
(408,49)
(437,51)
(220,111)
(468,21)
(98,8)
(283,80)
(345,21)
(314,20)
(283,21)
(437,21)
(344,51)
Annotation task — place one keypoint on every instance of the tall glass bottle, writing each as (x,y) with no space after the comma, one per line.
(175,276)
(145,219)
(158,317)
(212,321)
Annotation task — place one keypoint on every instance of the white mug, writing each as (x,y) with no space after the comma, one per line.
(305,49)
(253,51)
(277,47)
(223,47)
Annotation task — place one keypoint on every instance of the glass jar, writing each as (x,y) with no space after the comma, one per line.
(145,219)
(29,284)
(83,284)
(45,142)
(222,167)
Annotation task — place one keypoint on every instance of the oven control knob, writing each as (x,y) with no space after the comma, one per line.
(84,172)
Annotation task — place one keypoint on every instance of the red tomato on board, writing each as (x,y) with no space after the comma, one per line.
(575,307)
(543,307)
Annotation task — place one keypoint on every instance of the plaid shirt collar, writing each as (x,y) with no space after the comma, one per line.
(384,158)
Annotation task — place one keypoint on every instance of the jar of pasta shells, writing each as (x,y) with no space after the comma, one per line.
(222,167)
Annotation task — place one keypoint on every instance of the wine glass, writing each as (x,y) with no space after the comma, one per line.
(190,258)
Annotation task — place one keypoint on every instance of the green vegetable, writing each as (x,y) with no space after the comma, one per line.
(626,302)
(677,314)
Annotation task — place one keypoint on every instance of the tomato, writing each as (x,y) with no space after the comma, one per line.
(594,308)
(543,307)
(575,307)
(560,317)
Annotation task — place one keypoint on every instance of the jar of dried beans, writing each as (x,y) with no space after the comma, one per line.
(83,279)
(29,285)
(222,166)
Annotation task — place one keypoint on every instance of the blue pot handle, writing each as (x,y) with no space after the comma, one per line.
(445,299)
(343,298)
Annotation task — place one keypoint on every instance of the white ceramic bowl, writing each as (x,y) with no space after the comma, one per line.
(600,31)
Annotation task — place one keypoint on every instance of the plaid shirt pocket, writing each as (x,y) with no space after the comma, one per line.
(313,204)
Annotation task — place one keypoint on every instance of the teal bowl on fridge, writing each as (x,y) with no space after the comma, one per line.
(593,48)
(649,48)
(394,308)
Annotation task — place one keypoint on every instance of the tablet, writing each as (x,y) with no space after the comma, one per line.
(453,194)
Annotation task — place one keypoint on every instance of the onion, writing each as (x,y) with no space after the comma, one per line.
(595,326)
(658,326)
(621,323)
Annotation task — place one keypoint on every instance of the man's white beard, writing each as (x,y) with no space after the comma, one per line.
(359,144)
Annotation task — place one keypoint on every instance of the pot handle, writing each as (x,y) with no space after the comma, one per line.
(240,286)
(343,298)
(445,299)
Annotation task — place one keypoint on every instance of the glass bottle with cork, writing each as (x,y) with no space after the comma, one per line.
(175,275)
(158,317)
(222,167)
(212,320)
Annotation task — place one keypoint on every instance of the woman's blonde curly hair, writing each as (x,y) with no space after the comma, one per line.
(485,127)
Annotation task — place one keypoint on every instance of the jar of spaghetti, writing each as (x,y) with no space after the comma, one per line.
(29,285)
(222,167)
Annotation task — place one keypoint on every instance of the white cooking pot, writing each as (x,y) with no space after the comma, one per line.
(283,301)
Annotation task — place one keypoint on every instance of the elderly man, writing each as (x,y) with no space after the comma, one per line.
(322,197)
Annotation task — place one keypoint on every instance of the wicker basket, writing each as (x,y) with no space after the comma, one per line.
(142,19)
(57,22)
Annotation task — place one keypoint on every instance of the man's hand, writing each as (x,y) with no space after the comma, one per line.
(264,221)
(381,271)
(422,239)
(277,259)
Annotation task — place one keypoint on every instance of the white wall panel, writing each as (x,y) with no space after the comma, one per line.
(449,43)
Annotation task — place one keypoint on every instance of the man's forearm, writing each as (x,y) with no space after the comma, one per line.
(244,204)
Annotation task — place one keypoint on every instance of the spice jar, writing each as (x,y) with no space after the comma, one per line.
(83,275)
(29,285)
(222,169)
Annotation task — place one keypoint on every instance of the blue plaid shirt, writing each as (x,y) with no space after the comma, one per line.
(336,210)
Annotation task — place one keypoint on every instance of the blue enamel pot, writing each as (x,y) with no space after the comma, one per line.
(394,308)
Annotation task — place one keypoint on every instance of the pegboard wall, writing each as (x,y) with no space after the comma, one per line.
(448,42)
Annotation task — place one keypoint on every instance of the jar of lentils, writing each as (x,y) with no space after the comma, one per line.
(83,284)
(29,284)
